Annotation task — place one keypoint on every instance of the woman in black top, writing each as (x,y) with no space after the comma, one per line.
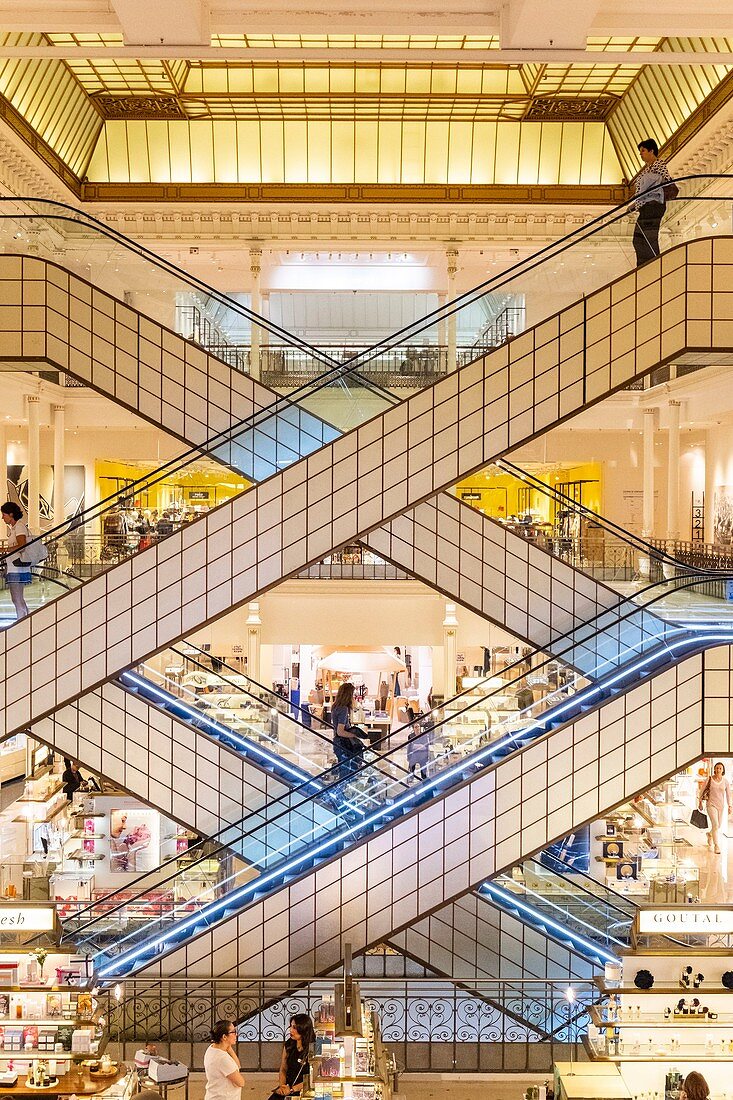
(294,1064)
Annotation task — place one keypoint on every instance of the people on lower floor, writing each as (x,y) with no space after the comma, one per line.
(694,1087)
(717,798)
(294,1065)
(418,745)
(224,1077)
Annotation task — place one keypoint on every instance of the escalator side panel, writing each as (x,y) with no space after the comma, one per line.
(438,853)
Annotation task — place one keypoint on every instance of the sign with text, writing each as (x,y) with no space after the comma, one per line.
(26,918)
(689,918)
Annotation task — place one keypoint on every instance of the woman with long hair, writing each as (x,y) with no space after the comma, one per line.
(17,576)
(346,737)
(717,798)
(294,1065)
(224,1077)
(695,1087)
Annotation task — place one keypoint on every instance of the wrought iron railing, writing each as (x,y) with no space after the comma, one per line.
(429,1024)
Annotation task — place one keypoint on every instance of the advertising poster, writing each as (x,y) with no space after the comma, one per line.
(134,840)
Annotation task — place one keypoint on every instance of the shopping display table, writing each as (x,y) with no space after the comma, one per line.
(81,1084)
(579,1087)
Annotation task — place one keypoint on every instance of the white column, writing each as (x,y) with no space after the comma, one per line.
(450,650)
(647,523)
(442,338)
(452,258)
(254,640)
(255,268)
(673,472)
(59,459)
(709,488)
(34,463)
(265,311)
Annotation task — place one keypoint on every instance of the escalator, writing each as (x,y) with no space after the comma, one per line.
(273,531)
(378,812)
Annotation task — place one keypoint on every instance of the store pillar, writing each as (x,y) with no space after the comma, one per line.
(255,267)
(442,338)
(254,640)
(673,472)
(450,650)
(265,311)
(647,523)
(452,258)
(59,458)
(4,461)
(34,463)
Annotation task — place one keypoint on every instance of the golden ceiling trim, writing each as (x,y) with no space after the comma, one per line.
(562,108)
(41,148)
(559,194)
(137,106)
(720,95)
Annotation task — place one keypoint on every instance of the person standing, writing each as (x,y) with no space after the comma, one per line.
(694,1087)
(224,1077)
(346,738)
(717,799)
(16,576)
(294,1065)
(651,187)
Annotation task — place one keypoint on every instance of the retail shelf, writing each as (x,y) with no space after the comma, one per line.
(80,856)
(665,990)
(681,1054)
(659,1021)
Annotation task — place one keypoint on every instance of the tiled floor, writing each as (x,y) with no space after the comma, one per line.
(412,1086)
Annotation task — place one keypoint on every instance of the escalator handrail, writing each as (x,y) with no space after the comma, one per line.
(636,542)
(334,785)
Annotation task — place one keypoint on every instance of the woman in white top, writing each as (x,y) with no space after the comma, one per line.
(224,1078)
(16,576)
(717,799)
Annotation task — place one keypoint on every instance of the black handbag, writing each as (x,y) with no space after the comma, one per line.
(699,819)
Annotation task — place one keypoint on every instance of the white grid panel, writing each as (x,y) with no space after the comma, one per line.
(474,939)
(487,568)
(445,849)
(158,759)
(718,723)
(357,483)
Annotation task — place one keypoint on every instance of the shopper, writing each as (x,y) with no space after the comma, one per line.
(294,1065)
(717,799)
(652,186)
(418,744)
(694,1087)
(16,576)
(347,739)
(72,778)
(224,1078)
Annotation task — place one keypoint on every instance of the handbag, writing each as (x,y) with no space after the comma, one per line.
(699,819)
(278,1096)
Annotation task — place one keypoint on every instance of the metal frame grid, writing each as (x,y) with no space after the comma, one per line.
(359,481)
(474,938)
(157,758)
(420,863)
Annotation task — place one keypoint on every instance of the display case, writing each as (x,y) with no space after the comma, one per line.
(349,1066)
(679,1016)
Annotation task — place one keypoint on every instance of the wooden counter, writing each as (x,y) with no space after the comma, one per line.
(68,1084)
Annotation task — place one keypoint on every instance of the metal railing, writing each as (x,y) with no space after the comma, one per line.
(430,1025)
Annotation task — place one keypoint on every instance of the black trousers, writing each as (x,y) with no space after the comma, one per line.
(646,232)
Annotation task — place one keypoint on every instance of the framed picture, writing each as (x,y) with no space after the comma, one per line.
(613,849)
(626,869)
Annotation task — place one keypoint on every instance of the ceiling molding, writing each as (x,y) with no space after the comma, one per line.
(43,151)
(601,194)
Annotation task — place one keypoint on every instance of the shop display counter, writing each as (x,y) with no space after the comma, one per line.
(78,1082)
(581,1087)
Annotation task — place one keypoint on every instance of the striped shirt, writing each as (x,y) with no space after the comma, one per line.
(644,184)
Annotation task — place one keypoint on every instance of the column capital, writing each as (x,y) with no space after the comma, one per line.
(58,408)
(32,398)
(255,261)
(451,255)
(674,403)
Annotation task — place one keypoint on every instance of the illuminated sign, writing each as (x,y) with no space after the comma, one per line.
(691,918)
(26,918)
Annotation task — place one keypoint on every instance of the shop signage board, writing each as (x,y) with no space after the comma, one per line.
(690,918)
(27,918)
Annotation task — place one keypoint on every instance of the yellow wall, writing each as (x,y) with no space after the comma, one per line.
(500,491)
(221,484)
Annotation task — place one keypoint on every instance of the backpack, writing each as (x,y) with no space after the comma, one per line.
(33,553)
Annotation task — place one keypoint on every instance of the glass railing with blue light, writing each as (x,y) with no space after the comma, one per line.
(301,829)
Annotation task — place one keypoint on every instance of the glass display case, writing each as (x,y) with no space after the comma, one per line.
(351,1066)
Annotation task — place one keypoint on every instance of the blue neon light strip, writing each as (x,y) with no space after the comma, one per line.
(336,840)
(584,946)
